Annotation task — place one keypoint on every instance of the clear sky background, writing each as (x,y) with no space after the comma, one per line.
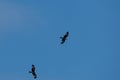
(30,31)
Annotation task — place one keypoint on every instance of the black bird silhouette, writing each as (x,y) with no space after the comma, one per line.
(33,71)
(64,37)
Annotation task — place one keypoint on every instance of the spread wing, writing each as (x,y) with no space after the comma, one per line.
(63,39)
(33,72)
(66,35)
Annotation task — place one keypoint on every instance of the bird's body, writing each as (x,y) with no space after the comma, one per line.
(33,72)
(64,37)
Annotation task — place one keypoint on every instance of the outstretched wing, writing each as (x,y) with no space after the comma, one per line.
(64,37)
(62,41)
(67,33)
(33,72)
(35,75)
(30,71)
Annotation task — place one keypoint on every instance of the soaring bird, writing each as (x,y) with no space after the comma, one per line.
(33,71)
(64,37)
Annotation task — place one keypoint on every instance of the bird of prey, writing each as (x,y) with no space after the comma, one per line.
(33,71)
(64,37)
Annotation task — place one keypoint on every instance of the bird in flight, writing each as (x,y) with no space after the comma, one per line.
(33,71)
(64,37)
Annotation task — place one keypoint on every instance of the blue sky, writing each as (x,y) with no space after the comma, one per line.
(30,31)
